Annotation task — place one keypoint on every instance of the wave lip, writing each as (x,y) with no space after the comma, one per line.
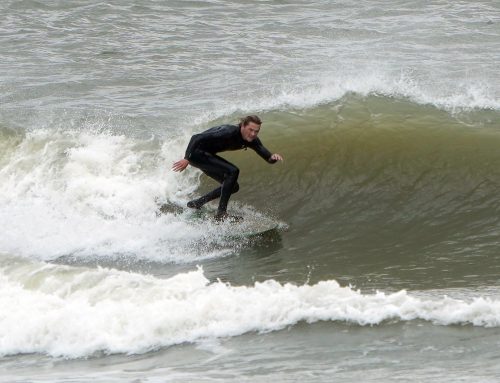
(76,312)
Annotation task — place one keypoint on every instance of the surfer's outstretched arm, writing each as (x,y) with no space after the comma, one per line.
(261,150)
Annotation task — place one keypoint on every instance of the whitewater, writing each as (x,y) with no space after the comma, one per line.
(78,312)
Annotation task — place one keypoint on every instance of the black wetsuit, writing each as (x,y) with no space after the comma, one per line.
(201,153)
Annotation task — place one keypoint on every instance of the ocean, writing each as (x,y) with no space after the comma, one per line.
(385,265)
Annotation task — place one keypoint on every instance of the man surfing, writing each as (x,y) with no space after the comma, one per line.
(202,153)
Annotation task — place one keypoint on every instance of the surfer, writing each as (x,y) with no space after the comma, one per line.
(202,153)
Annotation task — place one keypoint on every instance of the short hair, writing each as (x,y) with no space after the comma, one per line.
(244,121)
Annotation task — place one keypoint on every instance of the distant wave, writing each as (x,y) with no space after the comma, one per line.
(76,312)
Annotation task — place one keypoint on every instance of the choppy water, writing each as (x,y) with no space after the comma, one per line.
(385,266)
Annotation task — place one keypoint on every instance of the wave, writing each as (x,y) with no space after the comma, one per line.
(78,312)
(351,164)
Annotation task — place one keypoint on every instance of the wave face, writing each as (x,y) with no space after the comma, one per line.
(390,164)
(75,312)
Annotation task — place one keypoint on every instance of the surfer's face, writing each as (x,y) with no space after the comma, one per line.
(250,131)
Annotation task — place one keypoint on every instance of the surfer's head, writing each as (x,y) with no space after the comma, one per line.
(250,127)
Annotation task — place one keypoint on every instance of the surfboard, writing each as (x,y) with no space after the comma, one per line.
(255,232)
(249,223)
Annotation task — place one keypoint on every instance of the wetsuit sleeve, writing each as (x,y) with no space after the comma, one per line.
(262,151)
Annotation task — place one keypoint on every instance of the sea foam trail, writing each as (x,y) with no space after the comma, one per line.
(76,312)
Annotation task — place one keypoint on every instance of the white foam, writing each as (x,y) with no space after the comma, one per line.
(97,194)
(75,312)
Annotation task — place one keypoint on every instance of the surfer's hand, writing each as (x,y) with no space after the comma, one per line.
(276,157)
(180,165)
